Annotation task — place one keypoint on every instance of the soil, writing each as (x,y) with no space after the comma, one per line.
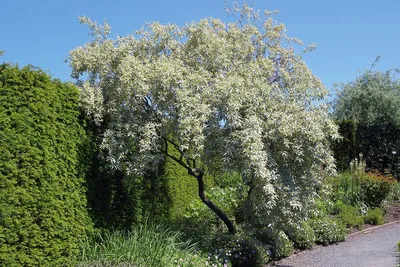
(393,212)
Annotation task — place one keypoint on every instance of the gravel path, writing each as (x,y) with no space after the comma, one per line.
(373,248)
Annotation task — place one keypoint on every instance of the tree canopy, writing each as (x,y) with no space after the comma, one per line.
(234,91)
(372,101)
(373,98)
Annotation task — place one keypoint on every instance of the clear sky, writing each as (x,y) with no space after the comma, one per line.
(349,34)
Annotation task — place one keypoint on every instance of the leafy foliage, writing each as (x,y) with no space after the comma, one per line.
(237,92)
(374,216)
(42,199)
(358,187)
(373,101)
(180,187)
(376,187)
(351,216)
(238,250)
(327,231)
(249,252)
(117,200)
(279,242)
(301,234)
(281,245)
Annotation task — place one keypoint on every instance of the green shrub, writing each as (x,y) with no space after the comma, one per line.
(374,216)
(346,188)
(376,187)
(280,244)
(351,216)
(395,193)
(301,234)
(42,199)
(182,188)
(249,253)
(327,231)
(357,187)
(238,250)
(147,245)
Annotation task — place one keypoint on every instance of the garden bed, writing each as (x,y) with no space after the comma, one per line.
(393,212)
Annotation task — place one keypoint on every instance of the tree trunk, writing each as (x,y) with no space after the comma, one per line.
(211,205)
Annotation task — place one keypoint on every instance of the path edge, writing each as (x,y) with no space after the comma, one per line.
(373,228)
(273,263)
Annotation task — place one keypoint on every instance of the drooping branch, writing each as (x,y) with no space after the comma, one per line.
(198,174)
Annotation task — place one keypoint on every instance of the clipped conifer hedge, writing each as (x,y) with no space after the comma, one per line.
(43,213)
(345,149)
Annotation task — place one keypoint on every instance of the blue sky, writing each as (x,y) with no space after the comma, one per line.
(349,34)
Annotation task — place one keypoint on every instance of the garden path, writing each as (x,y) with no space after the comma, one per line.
(374,247)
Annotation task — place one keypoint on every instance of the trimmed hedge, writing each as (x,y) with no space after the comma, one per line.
(345,148)
(42,199)
(181,187)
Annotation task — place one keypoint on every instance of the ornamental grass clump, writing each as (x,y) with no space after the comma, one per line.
(147,245)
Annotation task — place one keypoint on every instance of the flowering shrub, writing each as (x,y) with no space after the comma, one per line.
(302,235)
(280,244)
(238,250)
(328,231)
(357,187)
(249,252)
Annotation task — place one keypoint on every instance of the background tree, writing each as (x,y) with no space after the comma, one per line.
(372,101)
(238,92)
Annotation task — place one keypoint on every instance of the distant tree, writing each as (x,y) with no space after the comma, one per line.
(238,92)
(373,102)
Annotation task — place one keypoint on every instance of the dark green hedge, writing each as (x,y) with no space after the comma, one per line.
(43,214)
(182,188)
(115,199)
(377,143)
(345,148)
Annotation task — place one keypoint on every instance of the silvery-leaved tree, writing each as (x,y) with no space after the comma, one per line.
(235,91)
